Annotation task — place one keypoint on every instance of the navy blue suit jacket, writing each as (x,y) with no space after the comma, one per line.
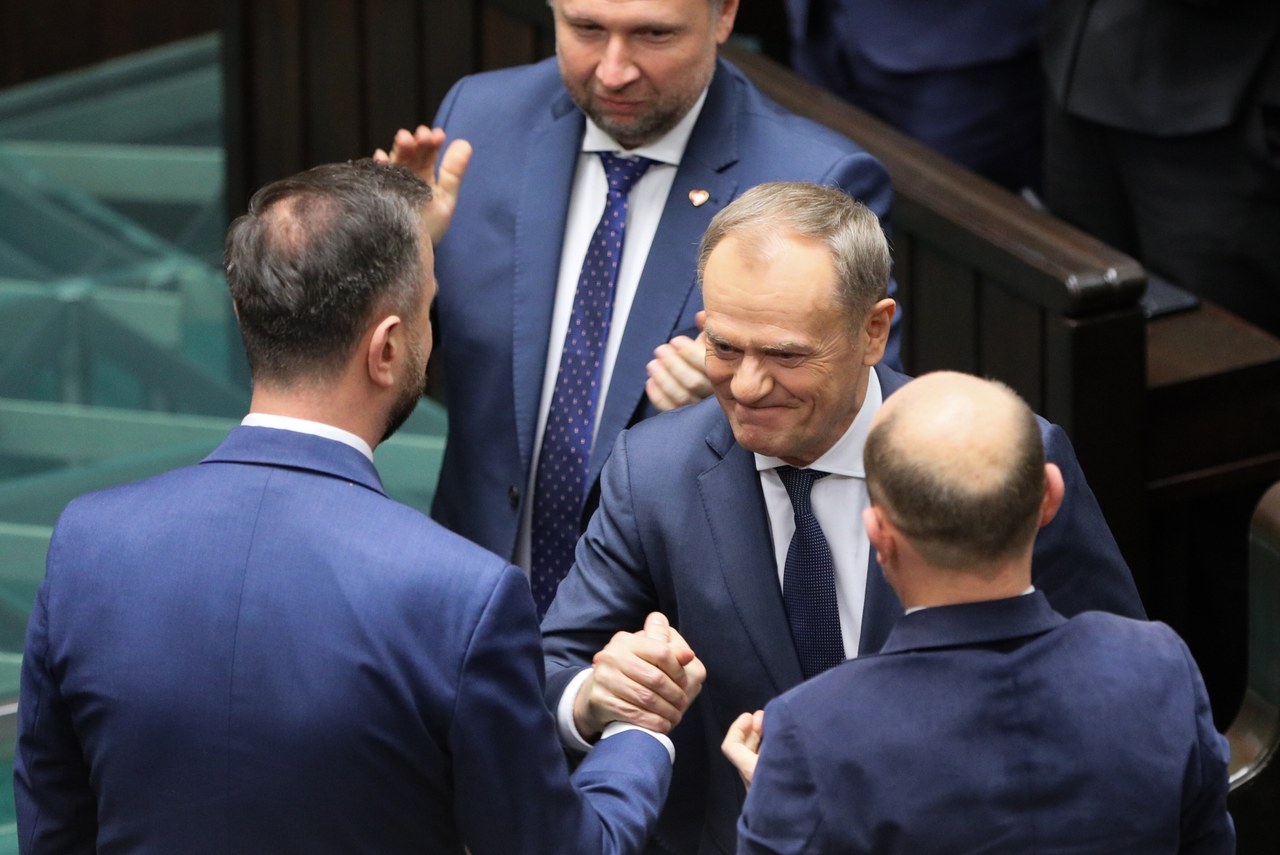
(996,727)
(499,264)
(263,653)
(909,36)
(682,528)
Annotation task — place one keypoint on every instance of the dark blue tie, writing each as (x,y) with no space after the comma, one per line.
(566,442)
(809,580)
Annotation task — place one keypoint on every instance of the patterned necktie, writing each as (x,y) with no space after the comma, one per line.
(566,442)
(809,580)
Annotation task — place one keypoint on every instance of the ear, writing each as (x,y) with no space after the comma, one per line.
(724,20)
(876,328)
(880,533)
(384,351)
(1054,490)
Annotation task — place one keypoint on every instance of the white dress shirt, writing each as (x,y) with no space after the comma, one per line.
(838,502)
(645,204)
(321,429)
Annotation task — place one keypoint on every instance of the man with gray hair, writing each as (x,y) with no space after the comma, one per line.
(732,516)
(988,722)
(621,148)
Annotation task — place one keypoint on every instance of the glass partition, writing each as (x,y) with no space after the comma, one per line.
(119,356)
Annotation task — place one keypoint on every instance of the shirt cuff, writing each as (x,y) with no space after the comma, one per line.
(613,728)
(564,714)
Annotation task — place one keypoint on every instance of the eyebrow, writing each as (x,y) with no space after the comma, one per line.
(795,347)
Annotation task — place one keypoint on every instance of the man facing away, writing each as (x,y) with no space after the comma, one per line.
(264,653)
(732,516)
(621,148)
(988,722)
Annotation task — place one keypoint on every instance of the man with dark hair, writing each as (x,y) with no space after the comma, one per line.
(635,135)
(263,653)
(731,516)
(988,722)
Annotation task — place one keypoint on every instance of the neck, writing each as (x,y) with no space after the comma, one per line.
(926,586)
(325,404)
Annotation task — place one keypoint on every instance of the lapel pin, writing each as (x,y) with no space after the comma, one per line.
(699,197)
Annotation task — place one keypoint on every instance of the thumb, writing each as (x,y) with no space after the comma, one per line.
(454,165)
(657,627)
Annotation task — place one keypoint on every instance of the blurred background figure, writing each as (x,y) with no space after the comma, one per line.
(963,78)
(1163,139)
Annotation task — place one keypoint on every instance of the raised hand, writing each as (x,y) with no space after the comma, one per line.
(420,151)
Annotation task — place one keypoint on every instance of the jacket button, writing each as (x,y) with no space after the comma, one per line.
(513,495)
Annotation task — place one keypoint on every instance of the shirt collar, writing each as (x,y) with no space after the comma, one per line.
(307,426)
(845,457)
(668,148)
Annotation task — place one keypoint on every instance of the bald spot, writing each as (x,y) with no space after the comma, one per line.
(958,427)
(285,232)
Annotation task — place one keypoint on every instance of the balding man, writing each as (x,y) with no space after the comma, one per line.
(989,722)
(733,516)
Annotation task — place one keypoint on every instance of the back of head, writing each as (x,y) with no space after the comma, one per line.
(767,214)
(315,255)
(957,463)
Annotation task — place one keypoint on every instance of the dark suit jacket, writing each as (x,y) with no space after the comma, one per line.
(1162,67)
(263,653)
(997,727)
(499,263)
(911,36)
(682,528)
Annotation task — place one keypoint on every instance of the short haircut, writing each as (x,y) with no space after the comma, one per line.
(960,511)
(767,213)
(315,256)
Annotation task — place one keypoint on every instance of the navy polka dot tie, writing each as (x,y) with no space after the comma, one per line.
(566,442)
(809,580)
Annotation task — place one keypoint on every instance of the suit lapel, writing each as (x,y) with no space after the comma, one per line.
(668,278)
(739,524)
(545,184)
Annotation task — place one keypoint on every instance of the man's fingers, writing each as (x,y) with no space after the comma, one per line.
(677,374)
(741,745)
(453,167)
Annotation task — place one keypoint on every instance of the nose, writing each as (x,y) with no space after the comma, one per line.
(751,381)
(616,69)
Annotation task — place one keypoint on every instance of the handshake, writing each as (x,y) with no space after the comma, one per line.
(649,678)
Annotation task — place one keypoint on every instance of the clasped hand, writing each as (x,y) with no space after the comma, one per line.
(648,678)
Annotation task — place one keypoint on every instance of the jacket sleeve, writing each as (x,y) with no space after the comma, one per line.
(609,589)
(781,814)
(1207,828)
(512,785)
(56,808)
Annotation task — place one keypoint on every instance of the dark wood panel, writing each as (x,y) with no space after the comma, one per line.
(1011,341)
(39,39)
(273,92)
(507,40)
(335,86)
(1093,389)
(393,71)
(450,37)
(1214,389)
(944,296)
